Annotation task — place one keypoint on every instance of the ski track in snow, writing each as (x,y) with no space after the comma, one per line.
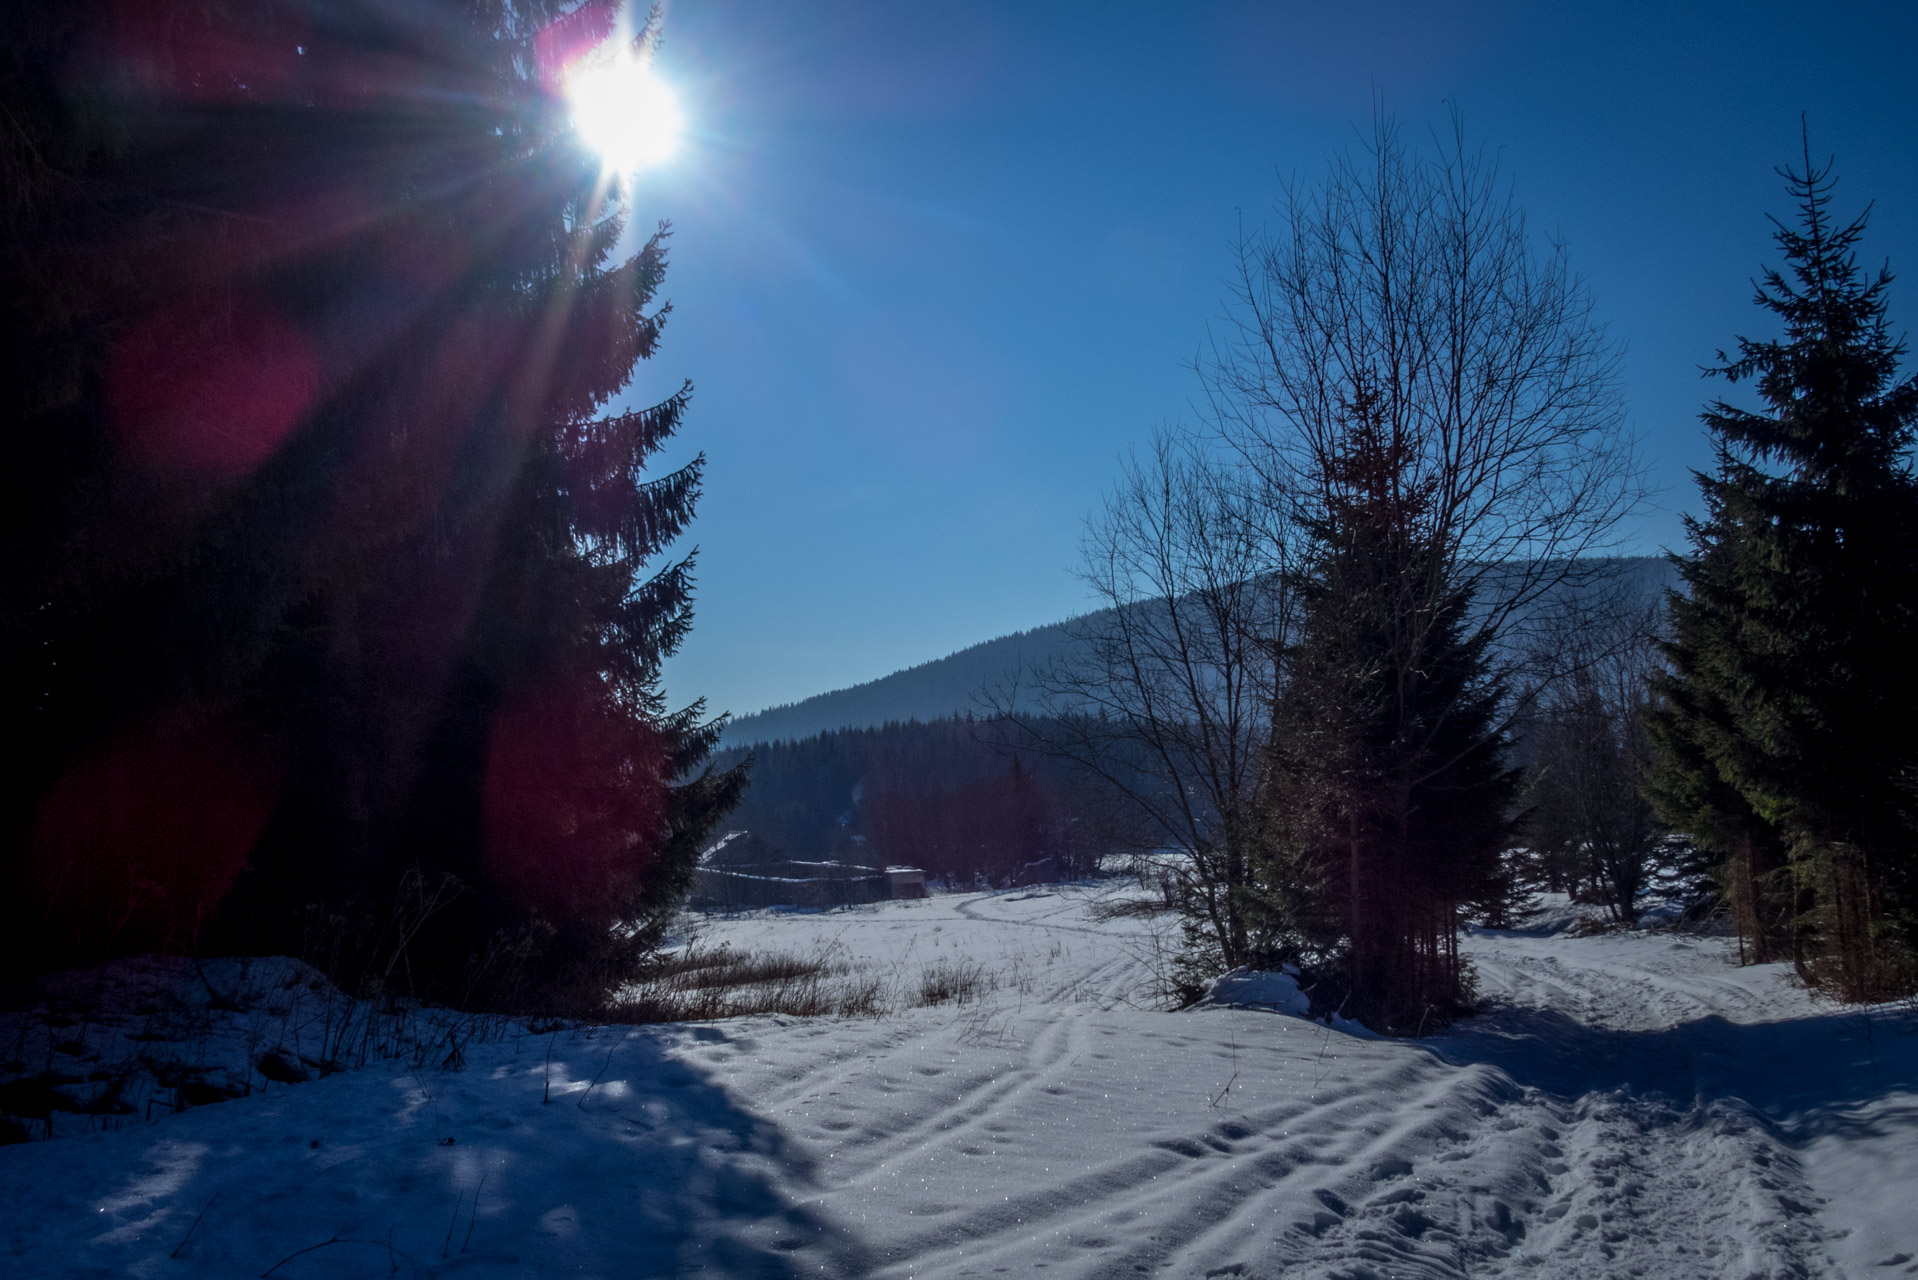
(1632,1105)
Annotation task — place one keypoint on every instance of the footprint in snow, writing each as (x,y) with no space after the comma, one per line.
(1319,1223)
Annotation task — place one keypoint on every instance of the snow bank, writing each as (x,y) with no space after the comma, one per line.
(125,1042)
(1257,989)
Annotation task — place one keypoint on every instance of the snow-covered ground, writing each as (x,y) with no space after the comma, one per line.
(1634,1105)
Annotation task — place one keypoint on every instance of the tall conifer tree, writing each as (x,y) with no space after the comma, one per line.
(1792,688)
(1388,795)
(339,566)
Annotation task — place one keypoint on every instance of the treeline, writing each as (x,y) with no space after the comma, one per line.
(337,580)
(1588,825)
(945,795)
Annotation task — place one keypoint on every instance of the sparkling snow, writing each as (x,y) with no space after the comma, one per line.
(1635,1104)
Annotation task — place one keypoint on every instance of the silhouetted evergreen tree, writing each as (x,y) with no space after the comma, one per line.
(1388,795)
(1697,725)
(1792,689)
(337,568)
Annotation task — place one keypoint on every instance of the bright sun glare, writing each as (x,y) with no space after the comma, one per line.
(624,112)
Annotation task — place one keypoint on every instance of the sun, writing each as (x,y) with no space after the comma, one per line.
(624,112)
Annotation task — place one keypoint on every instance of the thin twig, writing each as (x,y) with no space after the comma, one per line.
(1327,1042)
(473,1217)
(581,1104)
(446,1245)
(337,1239)
(392,1254)
(196,1222)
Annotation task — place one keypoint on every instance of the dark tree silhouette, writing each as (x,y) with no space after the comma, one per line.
(339,564)
(1388,795)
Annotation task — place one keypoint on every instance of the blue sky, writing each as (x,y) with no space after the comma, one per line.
(936,266)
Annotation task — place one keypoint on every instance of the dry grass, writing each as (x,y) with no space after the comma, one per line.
(702,984)
(723,967)
(1118,908)
(954,982)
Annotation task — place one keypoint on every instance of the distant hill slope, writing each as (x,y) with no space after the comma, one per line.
(943,687)
(952,685)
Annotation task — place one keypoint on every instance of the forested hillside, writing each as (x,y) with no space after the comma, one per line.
(945,686)
(952,685)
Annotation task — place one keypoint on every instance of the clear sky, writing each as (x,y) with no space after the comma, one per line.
(936,265)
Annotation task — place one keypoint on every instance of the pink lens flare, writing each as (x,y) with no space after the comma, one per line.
(210,387)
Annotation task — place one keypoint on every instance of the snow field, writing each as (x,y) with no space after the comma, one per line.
(1634,1105)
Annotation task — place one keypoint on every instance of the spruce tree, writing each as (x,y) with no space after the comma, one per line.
(1791,684)
(1695,725)
(340,566)
(1388,798)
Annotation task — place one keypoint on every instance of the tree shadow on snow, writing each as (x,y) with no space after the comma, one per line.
(652,1171)
(1808,1076)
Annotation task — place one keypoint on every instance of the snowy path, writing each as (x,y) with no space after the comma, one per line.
(1713,1099)
(1635,1106)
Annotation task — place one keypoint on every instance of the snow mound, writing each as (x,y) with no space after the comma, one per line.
(1265,989)
(1245,988)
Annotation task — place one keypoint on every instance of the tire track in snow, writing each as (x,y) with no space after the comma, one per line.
(1493,1176)
(1134,967)
(1185,1181)
(1561,1129)
(1250,1189)
(1645,1168)
(966,1114)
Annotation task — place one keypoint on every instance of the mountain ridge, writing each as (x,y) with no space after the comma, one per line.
(930,690)
(951,686)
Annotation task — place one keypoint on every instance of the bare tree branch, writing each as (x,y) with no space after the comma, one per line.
(1165,697)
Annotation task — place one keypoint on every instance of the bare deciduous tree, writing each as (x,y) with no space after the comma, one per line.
(1410,290)
(1166,696)
(1430,388)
